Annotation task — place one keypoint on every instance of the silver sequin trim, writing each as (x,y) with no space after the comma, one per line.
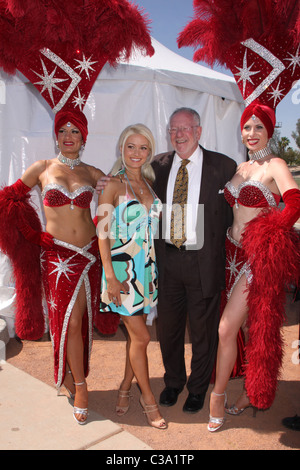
(245,269)
(83,278)
(235,192)
(62,189)
(69,71)
(277,65)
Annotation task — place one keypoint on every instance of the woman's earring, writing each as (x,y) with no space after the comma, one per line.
(56,143)
(242,140)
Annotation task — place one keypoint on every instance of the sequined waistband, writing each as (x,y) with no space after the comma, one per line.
(232,240)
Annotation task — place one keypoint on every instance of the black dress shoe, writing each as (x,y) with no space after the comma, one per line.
(292,423)
(194,403)
(168,396)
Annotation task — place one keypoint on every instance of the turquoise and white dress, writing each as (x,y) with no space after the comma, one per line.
(132,233)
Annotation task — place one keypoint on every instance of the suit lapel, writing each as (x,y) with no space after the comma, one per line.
(164,172)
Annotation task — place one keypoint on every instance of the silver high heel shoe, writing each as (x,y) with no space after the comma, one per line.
(235,411)
(122,410)
(159,423)
(218,421)
(80,411)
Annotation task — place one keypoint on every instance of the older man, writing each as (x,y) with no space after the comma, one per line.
(191,256)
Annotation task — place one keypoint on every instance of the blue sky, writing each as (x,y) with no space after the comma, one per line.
(170,16)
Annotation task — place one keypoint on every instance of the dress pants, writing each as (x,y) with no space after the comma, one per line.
(180,297)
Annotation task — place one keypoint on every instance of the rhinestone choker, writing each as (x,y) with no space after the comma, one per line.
(260,154)
(69,161)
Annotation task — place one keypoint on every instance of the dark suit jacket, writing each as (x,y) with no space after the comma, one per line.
(216,171)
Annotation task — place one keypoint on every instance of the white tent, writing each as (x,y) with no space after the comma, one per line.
(143,90)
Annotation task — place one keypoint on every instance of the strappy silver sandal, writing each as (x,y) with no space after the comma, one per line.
(80,411)
(218,421)
(122,410)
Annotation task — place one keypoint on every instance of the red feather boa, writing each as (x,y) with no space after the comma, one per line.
(274,254)
(29,318)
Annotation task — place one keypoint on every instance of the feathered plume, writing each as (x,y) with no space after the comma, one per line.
(219,25)
(258,40)
(62,46)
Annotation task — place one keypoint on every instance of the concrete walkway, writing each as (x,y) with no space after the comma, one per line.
(32,417)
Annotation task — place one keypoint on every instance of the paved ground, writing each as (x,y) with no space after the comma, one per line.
(32,417)
(185,432)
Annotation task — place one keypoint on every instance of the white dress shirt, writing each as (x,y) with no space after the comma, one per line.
(195,173)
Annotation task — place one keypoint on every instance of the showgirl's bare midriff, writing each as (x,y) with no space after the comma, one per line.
(73,226)
(242,215)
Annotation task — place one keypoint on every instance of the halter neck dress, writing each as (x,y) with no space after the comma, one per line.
(132,234)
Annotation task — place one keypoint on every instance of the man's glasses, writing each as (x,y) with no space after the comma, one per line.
(174,130)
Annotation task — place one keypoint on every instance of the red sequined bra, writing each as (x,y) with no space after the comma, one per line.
(55,195)
(250,194)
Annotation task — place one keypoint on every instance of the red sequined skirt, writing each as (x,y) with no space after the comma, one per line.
(236,266)
(65,268)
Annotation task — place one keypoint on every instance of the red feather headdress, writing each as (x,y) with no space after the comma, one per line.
(257,40)
(61,47)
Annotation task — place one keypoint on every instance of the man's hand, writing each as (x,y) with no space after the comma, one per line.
(101,183)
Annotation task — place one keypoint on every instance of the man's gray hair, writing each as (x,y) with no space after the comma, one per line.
(189,111)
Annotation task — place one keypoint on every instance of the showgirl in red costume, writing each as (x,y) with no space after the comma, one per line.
(61,47)
(259,42)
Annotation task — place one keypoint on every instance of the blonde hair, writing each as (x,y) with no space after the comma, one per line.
(147,170)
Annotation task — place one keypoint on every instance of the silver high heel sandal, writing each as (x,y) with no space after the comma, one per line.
(122,410)
(218,421)
(80,411)
(159,423)
(235,411)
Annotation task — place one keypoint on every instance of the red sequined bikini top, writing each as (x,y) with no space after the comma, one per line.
(250,194)
(55,195)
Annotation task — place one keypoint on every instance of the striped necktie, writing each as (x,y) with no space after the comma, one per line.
(178,215)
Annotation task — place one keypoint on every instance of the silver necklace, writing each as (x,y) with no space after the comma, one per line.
(140,189)
(259,155)
(69,161)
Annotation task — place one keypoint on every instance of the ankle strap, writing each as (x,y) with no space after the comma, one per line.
(217,394)
(81,383)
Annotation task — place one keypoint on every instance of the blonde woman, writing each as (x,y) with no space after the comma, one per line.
(127,224)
